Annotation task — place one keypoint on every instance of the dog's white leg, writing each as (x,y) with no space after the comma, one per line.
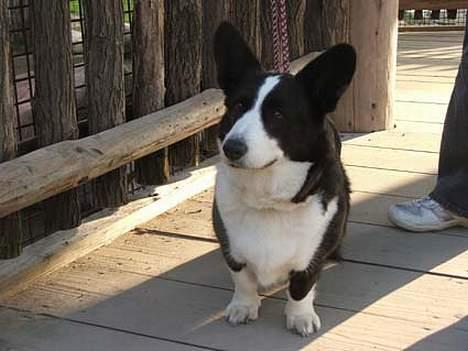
(245,301)
(301,316)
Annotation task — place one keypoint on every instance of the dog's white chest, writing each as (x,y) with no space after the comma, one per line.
(271,235)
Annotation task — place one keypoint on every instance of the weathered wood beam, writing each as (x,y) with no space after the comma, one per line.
(11,232)
(56,168)
(59,167)
(432,4)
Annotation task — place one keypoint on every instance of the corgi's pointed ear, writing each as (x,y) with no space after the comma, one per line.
(234,59)
(326,78)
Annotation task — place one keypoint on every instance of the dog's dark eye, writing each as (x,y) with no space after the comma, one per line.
(274,115)
(277,115)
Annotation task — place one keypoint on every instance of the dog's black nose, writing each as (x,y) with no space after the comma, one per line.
(234,149)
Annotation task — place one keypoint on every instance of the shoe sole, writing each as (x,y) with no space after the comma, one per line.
(457,222)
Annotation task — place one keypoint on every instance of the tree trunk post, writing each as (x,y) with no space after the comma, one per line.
(374,34)
(371,26)
(246,17)
(296,11)
(54,102)
(327,23)
(183,29)
(313,26)
(11,233)
(266,55)
(148,81)
(214,12)
(105,87)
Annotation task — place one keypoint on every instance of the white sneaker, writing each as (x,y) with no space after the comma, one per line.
(423,215)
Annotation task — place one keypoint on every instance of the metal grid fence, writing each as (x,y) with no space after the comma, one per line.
(436,19)
(23,73)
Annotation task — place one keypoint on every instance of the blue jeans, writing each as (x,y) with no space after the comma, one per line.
(451,190)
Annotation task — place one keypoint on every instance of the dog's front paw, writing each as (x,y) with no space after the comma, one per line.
(240,313)
(303,324)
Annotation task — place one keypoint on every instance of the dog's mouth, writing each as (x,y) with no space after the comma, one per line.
(240,166)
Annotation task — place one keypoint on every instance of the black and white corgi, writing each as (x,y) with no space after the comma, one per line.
(282,195)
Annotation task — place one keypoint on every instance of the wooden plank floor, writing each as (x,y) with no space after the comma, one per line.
(163,286)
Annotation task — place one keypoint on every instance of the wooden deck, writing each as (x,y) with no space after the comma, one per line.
(164,285)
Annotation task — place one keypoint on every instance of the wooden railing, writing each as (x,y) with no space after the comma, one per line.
(54,169)
(62,166)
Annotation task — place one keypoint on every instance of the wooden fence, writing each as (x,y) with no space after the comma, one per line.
(171,61)
(155,115)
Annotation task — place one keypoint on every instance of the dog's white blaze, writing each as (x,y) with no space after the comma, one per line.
(262,149)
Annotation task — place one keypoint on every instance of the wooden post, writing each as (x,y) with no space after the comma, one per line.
(266,55)
(183,69)
(11,233)
(296,11)
(246,17)
(372,27)
(54,103)
(327,23)
(105,87)
(313,26)
(214,12)
(148,81)
(374,33)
